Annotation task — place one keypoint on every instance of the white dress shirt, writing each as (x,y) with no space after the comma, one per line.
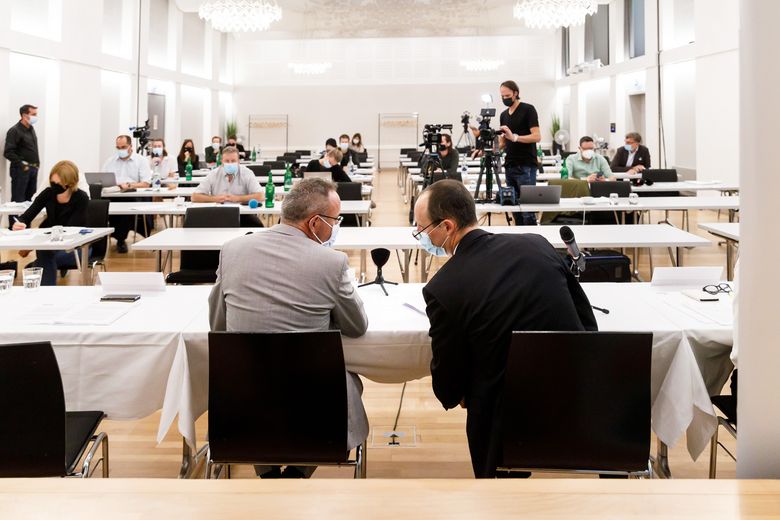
(133,169)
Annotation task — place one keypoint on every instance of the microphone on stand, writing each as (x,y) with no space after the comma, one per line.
(380,256)
(578,259)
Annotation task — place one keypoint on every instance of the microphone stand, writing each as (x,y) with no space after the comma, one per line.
(380,281)
(576,271)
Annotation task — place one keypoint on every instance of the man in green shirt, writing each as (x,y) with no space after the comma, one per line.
(587,164)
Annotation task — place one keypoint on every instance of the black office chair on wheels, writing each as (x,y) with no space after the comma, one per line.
(38,437)
(278,399)
(578,402)
(198,267)
(661,176)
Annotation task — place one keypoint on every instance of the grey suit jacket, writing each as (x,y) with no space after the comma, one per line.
(281,281)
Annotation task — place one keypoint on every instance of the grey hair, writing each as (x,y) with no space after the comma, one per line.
(229,149)
(308,197)
(634,136)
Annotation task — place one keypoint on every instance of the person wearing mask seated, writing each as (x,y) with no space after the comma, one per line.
(587,164)
(160,163)
(187,153)
(347,153)
(232,141)
(449,161)
(213,150)
(65,205)
(231,182)
(132,172)
(632,157)
(331,162)
(357,144)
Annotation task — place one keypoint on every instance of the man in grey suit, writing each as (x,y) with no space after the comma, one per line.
(284,280)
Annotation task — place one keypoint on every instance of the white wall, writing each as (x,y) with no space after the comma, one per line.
(77,60)
(369,76)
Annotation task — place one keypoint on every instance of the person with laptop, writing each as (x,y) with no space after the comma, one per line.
(250,299)
(331,162)
(131,172)
(587,164)
(231,182)
(633,156)
(472,316)
(65,205)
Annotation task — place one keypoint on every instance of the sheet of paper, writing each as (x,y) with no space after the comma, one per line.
(97,313)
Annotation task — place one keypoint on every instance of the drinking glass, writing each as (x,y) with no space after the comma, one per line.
(31,277)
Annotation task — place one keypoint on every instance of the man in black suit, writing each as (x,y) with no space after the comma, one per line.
(633,157)
(492,285)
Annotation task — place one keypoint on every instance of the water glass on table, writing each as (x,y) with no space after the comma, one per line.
(614,198)
(6,281)
(31,277)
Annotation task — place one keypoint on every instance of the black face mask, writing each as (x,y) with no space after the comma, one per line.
(188,148)
(57,188)
(508,102)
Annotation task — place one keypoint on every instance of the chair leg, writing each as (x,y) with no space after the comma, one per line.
(227,471)
(99,440)
(714,453)
(360,461)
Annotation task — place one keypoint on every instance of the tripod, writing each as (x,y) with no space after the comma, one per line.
(490,167)
(431,161)
(380,257)
(467,135)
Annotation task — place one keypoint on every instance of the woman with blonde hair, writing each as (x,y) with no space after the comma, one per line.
(66,205)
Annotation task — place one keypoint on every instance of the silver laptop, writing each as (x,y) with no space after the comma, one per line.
(107,179)
(540,195)
(321,175)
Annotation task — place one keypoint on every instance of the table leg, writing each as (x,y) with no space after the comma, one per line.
(423,266)
(405,266)
(159,262)
(363,255)
(85,280)
(729,260)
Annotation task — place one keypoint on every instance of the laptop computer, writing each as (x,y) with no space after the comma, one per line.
(107,180)
(321,175)
(540,195)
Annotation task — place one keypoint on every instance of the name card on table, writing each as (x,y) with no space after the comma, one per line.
(131,283)
(676,278)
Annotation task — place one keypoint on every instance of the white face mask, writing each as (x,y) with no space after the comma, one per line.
(33,120)
(343,146)
(157,151)
(326,164)
(215,146)
(587,154)
(356,141)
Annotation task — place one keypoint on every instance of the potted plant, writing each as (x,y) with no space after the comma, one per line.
(231,128)
(554,127)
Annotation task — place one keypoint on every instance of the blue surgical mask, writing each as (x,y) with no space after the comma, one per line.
(33,120)
(430,248)
(326,164)
(157,151)
(230,168)
(333,234)
(628,148)
(123,153)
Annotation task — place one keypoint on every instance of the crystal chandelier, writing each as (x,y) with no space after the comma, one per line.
(553,14)
(240,15)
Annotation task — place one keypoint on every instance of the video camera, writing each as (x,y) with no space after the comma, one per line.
(487,135)
(465,119)
(142,133)
(432,135)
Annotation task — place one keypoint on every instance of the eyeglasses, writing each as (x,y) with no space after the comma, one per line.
(336,220)
(417,234)
(716,289)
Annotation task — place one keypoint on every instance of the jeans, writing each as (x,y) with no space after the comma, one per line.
(52,261)
(517,176)
(24,184)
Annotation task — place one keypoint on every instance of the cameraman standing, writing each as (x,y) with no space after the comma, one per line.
(520,125)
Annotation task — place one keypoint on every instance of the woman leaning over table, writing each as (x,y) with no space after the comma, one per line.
(66,205)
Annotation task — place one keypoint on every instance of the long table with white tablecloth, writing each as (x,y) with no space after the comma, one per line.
(156,355)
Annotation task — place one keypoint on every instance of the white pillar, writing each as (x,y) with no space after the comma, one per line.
(758,445)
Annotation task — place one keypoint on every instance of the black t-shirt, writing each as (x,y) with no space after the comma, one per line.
(520,122)
(337,172)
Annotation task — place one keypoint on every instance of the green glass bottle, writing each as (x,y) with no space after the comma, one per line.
(564,170)
(219,158)
(188,170)
(287,178)
(539,154)
(254,154)
(270,191)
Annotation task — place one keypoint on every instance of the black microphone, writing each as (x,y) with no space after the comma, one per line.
(567,235)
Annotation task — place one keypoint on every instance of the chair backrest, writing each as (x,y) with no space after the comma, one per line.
(202,165)
(577,401)
(604,189)
(97,216)
(277,398)
(571,188)
(407,151)
(362,157)
(275,165)
(211,217)
(95,191)
(301,153)
(260,170)
(660,175)
(349,190)
(32,437)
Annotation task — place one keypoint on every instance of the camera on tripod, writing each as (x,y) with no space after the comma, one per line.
(465,119)
(487,135)
(142,133)
(432,135)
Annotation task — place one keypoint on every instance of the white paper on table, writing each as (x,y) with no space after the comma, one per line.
(96,313)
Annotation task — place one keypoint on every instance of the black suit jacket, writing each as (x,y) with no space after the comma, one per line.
(621,158)
(493,285)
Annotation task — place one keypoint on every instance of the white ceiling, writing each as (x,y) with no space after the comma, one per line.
(388,19)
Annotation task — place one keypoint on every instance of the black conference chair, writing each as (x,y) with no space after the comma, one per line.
(38,437)
(605,189)
(578,402)
(407,151)
(301,153)
(198,267)
(202,165)
(660,176)
(727,405)
(95,191)
(350,191)
(260,170)
(278,399)
(97,216)
(362,157)
(275,165)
